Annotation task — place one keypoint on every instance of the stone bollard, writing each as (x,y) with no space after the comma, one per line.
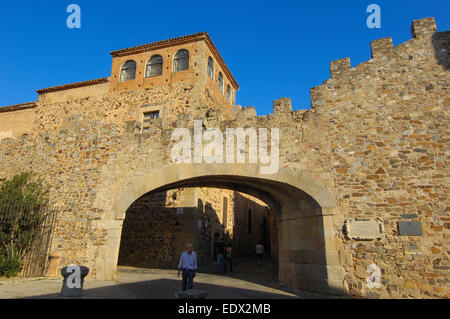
(73,280)
(191,294)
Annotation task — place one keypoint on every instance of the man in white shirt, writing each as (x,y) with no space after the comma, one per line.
(188,266)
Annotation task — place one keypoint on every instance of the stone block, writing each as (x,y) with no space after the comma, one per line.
(381,45)
(364,228)
(335,272)
(409,228)
(282,105)
(423,27)
(246,112)
(339,67)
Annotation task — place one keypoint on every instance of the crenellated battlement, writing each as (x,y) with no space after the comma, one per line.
(423,28)
(426,47)
(170,102)
(420,29)
(339,67)
(381,46)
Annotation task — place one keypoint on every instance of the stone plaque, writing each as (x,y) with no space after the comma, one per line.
(364,228)
(409,228)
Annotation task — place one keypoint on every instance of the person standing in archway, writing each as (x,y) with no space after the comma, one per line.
(259,249)
(188,267)
(228,258)
(220,246)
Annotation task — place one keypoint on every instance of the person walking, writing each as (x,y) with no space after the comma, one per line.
(259,249)
(228,258)
(188,267)
(220,257)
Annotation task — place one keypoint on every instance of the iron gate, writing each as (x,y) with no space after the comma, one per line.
(35,258)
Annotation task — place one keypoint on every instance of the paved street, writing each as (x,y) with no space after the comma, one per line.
(249,281)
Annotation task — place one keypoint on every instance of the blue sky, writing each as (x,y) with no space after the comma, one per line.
(274,49)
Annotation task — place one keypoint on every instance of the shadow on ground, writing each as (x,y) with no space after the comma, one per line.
(246,269)
(247,282)
(165,289)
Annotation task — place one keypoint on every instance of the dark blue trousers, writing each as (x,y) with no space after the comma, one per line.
(188,278)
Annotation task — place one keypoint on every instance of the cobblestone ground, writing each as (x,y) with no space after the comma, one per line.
(248,281)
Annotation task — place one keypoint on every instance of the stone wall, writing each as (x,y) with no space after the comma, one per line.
(387,124)
(16,120)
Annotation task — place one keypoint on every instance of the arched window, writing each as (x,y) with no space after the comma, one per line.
(229,94)
(154,66)
(220,82)
(211,68)
(128,71)
(181,60)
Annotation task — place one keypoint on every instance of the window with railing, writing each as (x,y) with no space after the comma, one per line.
(154,66)
(220,84)
(181,60)
(128,71)
(229,94)
(211,68)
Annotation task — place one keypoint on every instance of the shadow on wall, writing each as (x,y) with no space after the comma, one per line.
(441,44)
(253,224)
(155,232)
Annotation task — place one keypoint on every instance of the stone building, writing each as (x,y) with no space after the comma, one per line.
(360,203)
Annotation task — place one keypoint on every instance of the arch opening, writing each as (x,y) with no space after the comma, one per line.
(302,209)
(158,225)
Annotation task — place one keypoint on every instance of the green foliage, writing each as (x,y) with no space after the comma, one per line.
(9,267)
(24,188)
(22,202)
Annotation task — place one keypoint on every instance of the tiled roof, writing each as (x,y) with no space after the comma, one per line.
(17,107)
(73,85)
(158,44)
(176,41)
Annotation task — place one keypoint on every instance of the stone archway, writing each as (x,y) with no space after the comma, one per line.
(304,210)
